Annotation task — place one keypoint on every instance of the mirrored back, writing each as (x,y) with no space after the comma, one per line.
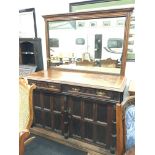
(89,41)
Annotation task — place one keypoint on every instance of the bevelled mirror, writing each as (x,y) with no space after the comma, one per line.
(93,41)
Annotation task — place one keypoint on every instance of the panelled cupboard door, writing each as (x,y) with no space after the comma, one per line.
(37,107)
(49,110)
(90,120)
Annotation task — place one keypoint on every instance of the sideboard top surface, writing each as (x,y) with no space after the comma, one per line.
(84,79)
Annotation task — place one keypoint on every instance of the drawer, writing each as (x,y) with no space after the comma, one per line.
(56,87)
(88,92)
(109,94)
(38,83)
(73,89)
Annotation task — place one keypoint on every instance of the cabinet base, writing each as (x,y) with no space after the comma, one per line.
(91,149)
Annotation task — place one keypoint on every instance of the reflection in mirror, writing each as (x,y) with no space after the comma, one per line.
(54,42)
(94,42)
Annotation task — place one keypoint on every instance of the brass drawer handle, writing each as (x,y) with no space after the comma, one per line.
(100,93)
(51,86)
(76,89)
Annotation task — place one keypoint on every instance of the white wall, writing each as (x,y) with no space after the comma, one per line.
(45,7)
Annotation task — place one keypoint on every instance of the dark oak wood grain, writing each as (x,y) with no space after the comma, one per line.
(85,79)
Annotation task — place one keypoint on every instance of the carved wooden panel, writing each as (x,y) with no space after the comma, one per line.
(48,110)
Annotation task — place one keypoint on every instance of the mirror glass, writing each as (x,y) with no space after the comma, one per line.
(92,45)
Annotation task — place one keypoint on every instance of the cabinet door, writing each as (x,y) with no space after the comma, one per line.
(75,115)
(57,112)
(91,120)
(37,107)
(48,110)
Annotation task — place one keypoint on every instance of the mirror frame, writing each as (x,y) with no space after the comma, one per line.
(34,19)
(125,12)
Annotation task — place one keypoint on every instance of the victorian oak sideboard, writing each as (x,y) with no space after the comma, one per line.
(77,106)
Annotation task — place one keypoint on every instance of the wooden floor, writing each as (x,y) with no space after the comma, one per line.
(91,149)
